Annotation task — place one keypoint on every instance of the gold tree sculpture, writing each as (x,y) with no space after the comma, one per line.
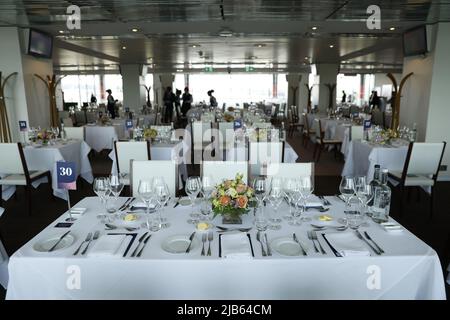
(331,87)
(5,132)
(51,84)
(294,94)
(309,96)
(149,104)
(397,97)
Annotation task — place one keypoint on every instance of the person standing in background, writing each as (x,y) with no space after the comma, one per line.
(111,104)
(169,99)
(177,102)
(187,101)
(212,99)
(93,99)
(344,97)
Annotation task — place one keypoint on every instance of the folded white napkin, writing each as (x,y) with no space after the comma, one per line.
(236,246)
(141,204)
(313,201)
(348,244)
(110,246)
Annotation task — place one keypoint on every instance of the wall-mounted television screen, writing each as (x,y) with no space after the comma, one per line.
(40,44)
(415,41)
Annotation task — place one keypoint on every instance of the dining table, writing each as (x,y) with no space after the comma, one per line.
(293,262)
(44,157)
(100,137)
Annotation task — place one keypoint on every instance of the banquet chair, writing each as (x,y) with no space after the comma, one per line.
(76,133)
(91,117)
(14,167)
(289,170)
(201,136)
(378,117)
(295,121)
(226,134)
(147,170)
(308,132)
(80,118)
(222,170)
(356,133)
(321,142)
(67,122)
(261,154)
(126,151)
(421,168)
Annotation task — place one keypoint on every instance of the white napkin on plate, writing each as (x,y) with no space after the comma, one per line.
(110,245)
(236,246)
(141,205)
(348,244)
(313,202)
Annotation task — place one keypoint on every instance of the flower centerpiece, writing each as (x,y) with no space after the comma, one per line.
(42,136)
(150,134)
(228,117)
(231,199)
(385,136)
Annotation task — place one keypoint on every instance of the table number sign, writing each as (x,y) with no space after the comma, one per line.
(128,124)
(237,124)
(367,124)
(127,109)
(66,175)
(23,126)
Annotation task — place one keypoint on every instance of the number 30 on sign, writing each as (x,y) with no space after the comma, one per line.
(66,175)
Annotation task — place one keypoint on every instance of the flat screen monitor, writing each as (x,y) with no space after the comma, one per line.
(415,41)
(40,44)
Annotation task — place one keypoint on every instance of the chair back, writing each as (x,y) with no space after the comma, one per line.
(91,117)
(356,133)
(222,170)
(261,154)
(80,117)
(147,170)
(289,170)
(201,132)
(307,122)
(226,130)
(130,150)
(424,158)
(12,159)
(76,133)
(378,117)
(67,122)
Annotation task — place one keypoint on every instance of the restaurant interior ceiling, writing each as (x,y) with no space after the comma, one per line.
(225,35)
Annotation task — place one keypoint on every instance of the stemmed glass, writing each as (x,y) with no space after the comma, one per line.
(115,186)
(145,191)
(275,197)
(260,187)
(288,189)
(294,190)
(102,190)
(306,190)
(207,190)
(347,188)
(162,197)
(193,188)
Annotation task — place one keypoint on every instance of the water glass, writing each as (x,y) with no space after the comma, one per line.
(347,188)
(145,191)
(193,188)
(354,216)
(101,189)
(162,195)
(306,189)
(275,197)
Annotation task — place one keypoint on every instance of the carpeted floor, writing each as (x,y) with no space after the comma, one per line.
(17,227)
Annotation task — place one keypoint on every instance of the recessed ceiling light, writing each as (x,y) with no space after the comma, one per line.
(306,58)
(179,70)
(260,45)
(61,31)
(314,28)
(135,29)
(195,45)
(123,48)
(392,28)
(331,45)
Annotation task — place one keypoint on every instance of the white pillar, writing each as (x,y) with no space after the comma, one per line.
(26,96)
(327,76)
(160,83)
(296,86)
(133,79)
(426,95)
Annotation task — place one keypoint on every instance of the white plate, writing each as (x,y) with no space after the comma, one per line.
(122,222)
(46,244)
(286,247)
(179,243)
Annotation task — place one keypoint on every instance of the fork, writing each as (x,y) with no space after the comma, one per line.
(325,201)
(95,237)
(310,237)
(210,238)
(88,238)
(203,241)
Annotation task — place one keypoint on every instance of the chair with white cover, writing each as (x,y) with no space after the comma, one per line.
(421,168)
(67,122)
(222,170)
(289,170)
(15,170)
(261,154)
(356,133)
(80,118)
(75,133)
(91,117)
(226,130)
(126,151)
(201,136)
(147,170)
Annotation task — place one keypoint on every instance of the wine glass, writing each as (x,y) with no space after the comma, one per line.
(207,190)
(354,215)
(260,187)
(115,186)
(296,196)
(162,197)
(101,189)
(193,188)
(347,188)
(145,191)
(306,189)
(275,197)
(288,189)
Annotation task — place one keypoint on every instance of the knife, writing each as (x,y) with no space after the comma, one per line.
(125,204)
(139,243)
(57,242)
(296,240)
(359,235)
(369,238)
(145,243)
(191,237)
(178,202)
(336,253)
(269,252)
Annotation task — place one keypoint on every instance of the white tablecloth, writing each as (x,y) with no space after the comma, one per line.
(101,137)
(409,269)
(45,158)
(240,153)
(362,156)
(164,151)
(3,266)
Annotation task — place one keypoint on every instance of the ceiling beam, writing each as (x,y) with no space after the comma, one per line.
(86,51)
(380,45)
